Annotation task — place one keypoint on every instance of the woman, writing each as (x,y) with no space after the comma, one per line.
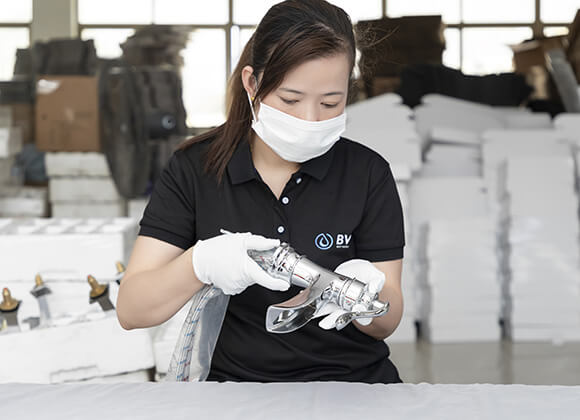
(276,170)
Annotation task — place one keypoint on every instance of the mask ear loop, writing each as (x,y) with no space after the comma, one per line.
(251,106)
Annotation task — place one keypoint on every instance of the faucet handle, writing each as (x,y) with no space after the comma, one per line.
(379,308)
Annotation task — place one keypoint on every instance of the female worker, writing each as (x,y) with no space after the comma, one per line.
(276,170)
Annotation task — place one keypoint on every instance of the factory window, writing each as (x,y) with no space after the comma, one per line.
(10,40)
(452,53)
(477,33)
(486,50)
(249,12)
(107,40)
(450,10)
(175,12)
(115,12)
(203,76)
(187,12)
(560,11)
(15,12)
(498,11)
(14,33)
(556,31)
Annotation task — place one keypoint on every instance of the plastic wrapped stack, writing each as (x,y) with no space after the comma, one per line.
(449,120)
(455,260)
(544,257)
(399,145)
(10,145)
(80,185)
(406,331)
(498,146)
(460,275)
(15,200)
(569,127)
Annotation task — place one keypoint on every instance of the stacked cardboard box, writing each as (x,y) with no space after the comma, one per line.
(389,44)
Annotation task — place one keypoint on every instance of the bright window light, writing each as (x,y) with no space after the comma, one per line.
(10,40)
(486,50)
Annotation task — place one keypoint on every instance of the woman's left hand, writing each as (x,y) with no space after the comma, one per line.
(363,271)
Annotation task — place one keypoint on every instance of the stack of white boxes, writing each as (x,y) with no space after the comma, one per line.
(15,200)
(451,160)
(80,185)
(399,144)
(447,119)
(82,342)
(499,145)
(10,145)
(544,285)
(569,127)
(462,282)
(406,331)
(456,264)
(136,207)
(401,147)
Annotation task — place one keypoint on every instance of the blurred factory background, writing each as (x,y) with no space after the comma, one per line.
(475,104)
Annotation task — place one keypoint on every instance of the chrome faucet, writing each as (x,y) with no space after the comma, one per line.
(321,286)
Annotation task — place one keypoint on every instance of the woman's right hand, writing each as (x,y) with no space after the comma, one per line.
(224,262)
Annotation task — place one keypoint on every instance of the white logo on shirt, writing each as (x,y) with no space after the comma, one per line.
(325,241)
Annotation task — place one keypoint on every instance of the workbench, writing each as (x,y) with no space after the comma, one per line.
(296,401)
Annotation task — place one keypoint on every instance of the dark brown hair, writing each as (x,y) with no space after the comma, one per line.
(291,33)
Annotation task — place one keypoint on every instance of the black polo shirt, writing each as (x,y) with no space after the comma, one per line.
(341,205)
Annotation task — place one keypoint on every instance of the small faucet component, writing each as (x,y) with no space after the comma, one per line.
(100,294)
(120,272)
(41,292)
(9,311)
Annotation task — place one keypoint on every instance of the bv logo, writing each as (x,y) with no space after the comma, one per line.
(325,241)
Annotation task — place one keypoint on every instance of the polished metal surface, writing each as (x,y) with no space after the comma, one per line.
(321,286)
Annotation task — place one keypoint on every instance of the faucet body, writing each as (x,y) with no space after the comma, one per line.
(321,286)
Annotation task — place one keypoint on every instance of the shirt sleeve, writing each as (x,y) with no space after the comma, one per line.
(170,213)
(380,236)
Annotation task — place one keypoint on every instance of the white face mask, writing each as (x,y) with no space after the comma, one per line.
(295,139)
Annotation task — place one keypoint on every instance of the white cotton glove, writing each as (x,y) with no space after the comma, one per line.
(224,262)
(362,270)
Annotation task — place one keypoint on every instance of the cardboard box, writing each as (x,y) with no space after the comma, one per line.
(382,85)
(23,117)
(533,53)
(67,114)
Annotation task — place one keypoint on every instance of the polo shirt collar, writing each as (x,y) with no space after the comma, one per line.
(241,167)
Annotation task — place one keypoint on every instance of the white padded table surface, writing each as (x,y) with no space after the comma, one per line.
(314,400)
